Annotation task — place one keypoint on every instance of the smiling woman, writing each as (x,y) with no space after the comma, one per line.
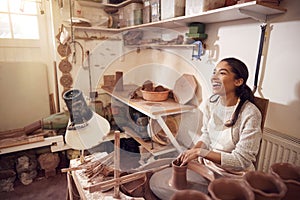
(231,130)
(19,19)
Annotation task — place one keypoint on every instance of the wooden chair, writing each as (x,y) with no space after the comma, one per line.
(262,105)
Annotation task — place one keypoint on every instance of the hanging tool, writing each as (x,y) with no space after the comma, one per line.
(198,45)
(92,94)
(73,38)
(261,45)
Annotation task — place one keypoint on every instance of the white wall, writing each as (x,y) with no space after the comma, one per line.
(279,73)
(24,94)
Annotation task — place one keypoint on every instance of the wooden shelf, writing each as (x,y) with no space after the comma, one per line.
(56,143)
(96,4)
(161,46)
(253,9)
(149,108)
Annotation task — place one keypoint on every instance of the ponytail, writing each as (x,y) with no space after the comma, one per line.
(244,93)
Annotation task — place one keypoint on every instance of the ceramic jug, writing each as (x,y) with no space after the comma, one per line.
(265,186)
(290,175)
(225,188)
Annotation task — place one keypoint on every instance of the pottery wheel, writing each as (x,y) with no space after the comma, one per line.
(159,183)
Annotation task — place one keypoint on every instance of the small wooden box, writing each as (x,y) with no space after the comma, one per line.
(172,8)
(109,80)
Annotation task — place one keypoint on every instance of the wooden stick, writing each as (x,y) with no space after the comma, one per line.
(124,179)
(117,165)
(89,164)
(56,87)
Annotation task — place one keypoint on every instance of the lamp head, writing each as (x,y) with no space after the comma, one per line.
(86,128)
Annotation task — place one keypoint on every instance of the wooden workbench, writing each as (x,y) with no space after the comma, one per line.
(80,181)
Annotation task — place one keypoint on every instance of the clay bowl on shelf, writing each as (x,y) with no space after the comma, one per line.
(155,95)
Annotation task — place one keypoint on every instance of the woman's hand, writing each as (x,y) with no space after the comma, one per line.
(191,154)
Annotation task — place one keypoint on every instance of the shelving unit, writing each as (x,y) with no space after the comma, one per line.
(253,9)
(155,110)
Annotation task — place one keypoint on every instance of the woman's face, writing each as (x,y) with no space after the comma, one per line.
(223,80)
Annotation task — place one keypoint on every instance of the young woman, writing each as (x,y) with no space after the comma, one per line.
(231,131)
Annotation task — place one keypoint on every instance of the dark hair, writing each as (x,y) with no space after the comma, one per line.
(243,91)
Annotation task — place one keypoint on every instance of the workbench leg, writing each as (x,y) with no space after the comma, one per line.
(70,186)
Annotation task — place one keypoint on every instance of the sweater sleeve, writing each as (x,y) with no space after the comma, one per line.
(247,135)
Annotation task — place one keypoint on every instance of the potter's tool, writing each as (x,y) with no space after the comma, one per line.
(104,185)
(117,165)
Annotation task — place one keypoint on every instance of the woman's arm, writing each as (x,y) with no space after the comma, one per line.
(248,136)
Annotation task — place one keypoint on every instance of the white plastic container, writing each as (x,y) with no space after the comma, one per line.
(195,7)
(172,8)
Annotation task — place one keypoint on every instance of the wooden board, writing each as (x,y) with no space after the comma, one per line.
(16,142)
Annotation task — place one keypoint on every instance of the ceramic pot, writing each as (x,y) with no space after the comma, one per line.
(265,186)
(290,175)
(178,179)
(230,188)
(190,195)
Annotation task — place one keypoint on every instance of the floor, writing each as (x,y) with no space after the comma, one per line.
(50,188)
(56,187)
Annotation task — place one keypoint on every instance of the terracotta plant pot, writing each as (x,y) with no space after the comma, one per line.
(178,179)
(290,175)
(230,188)
(265,186)
(190,195)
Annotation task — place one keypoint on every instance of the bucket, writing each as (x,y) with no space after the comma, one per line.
(265,186)
(290,175)
(225,188)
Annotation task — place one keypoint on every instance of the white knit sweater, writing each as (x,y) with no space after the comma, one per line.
(246,134)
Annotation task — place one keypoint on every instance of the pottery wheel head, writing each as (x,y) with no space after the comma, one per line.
(161,187)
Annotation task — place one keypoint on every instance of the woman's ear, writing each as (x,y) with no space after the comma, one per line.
(238,82)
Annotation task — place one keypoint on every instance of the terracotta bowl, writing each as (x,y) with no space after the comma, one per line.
(265,186)
(290,175)
(230,188)
(155,96)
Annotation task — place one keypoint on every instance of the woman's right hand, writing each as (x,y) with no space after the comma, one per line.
(188,155)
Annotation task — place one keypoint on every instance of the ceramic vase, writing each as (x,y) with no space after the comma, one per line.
(179,176)
(265,186)
(230,188)
(290,175)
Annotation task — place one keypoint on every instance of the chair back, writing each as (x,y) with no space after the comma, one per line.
(262,105)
